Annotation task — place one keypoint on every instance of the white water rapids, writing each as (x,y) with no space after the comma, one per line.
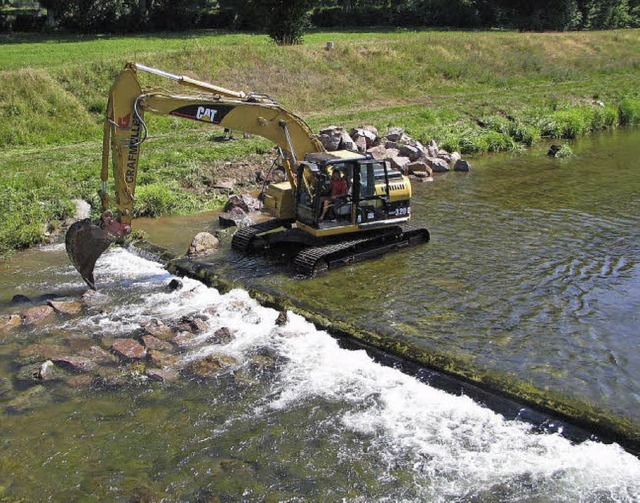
(452,448)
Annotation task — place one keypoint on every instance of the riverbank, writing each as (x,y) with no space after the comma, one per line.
(471,92)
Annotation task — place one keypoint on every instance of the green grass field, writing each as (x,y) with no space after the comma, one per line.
(472,91)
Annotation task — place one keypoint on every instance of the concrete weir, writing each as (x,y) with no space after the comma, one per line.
(546,411)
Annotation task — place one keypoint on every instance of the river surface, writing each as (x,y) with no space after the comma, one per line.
(532,269)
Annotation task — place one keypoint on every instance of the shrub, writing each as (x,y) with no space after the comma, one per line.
(629,112)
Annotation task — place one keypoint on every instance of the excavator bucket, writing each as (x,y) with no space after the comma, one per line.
(85,242)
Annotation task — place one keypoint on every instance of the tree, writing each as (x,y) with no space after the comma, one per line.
(284,20)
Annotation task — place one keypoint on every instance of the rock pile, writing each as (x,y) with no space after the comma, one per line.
(395,147)
(158,350)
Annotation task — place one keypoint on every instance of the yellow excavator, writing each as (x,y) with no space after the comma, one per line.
(315,229)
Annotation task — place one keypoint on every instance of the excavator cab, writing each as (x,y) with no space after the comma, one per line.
(376,194)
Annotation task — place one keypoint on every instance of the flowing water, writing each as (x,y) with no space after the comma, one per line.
(532,269)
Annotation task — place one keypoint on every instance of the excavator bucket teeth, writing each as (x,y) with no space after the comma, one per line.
(85,242)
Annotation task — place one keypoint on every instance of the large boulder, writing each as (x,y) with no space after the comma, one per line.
(246,202)
(437,165)
(369,133)
(394,134)
(413,153)
(419,167)
(400,163)
(203,243)
(236,217)
(462,165)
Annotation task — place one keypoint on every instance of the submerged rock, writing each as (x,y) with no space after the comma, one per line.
(78,364)
(221,336)
(66,308)
(36,315)
(158,329)
(129,348)
(210,366)
(151,342)
(10,321)
(162,375)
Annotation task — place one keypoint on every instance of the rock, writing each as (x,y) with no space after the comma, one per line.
(66,308)
(162,375)
(5,387)
(394,134)
(369,133)
(183,339)
(553,150)
(245,202)
(79,381)
(194,324)
(413,153)
(203,243)
(282,318)
(129,348)
(78,364)
(330,142)
(462,165)
(221,336)
(437,165)
(361,144)
(83,210)
(422,177)
(158,329)
(419,168)
(98,355)
(10,321)
(30,374)
(35,396)
(400,163)
(36,315)
(237,217)
(378,152)
(227,184)
(93,298)
(210,366)
(175,284)
(110,377)
(20,299)
(455,157)
(151,342)
(162,359)
(346,142)
(443,154)
(39,352)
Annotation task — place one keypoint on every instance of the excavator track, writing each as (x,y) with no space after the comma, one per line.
(318,259)
(244,238)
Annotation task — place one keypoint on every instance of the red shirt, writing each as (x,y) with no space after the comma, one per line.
(338,187)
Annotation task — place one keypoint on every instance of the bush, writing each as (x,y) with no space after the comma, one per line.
(629,112)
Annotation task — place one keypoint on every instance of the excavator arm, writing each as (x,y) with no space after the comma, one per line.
(125,131)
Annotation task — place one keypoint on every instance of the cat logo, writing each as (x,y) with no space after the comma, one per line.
(206,114)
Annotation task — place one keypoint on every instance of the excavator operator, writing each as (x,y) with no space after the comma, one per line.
(338,188)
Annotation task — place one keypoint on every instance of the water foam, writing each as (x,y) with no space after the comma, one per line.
(454,447)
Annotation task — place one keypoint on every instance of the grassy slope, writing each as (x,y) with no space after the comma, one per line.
(435,84)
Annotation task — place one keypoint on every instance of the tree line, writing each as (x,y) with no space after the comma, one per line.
(286,20)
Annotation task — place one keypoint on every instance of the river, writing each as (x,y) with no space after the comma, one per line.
(532,269)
